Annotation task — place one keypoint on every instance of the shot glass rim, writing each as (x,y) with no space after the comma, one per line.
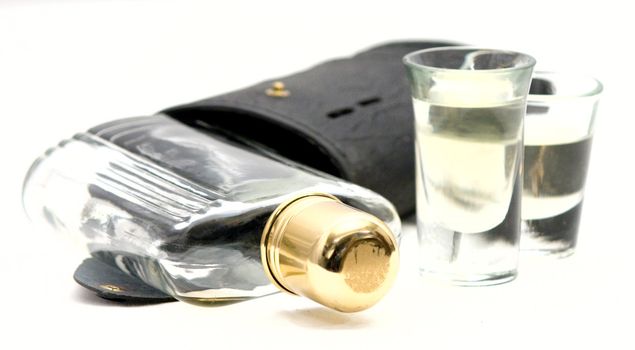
(408,60)
(596,91)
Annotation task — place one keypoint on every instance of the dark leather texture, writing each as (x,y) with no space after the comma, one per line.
(349,117)
(111,283)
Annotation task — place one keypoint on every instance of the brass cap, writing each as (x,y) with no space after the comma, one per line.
(327,251)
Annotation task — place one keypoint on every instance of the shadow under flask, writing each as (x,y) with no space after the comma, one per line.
(207,220)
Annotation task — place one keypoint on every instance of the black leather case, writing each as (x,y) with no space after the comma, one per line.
(349,117)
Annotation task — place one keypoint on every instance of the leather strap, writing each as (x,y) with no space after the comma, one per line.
(111,283)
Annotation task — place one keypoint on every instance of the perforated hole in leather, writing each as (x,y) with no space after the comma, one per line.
(369,101)
(339,112)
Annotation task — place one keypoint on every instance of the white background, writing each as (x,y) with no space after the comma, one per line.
(68,65)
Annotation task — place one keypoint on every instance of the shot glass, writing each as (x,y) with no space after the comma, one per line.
(559,125)
(469,107)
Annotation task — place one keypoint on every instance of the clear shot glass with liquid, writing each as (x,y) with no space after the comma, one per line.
(559,126)
(469,107)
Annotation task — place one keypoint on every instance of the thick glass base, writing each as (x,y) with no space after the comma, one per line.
(469,281)
(560,250)
(554,236)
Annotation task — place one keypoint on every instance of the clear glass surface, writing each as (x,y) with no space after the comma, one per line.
(469,106)
(559,126)
(181,209)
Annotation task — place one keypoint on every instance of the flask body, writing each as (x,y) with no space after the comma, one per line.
(180,209)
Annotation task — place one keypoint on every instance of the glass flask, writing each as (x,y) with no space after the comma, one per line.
(207,219)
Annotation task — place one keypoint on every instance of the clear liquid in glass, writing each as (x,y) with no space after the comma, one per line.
(554,177)
(469,190)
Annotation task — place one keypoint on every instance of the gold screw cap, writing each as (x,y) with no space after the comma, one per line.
(327,251)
